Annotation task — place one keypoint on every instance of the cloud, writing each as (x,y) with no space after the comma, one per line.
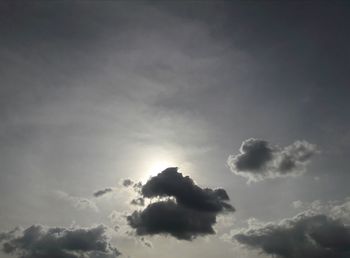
(254,155)
(188,211)
(171,218)
(311,234)
(341,211)
(38,241)
(336,209)
(171,183)
(102,192)
(259,160)
(8,235)
(127,182)
(311,237)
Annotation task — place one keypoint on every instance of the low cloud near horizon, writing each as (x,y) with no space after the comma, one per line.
(321,231)
(38,241)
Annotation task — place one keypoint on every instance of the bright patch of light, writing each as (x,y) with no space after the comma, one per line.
(158,166)
(155,159)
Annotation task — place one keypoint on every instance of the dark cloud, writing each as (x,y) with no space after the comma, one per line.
(304,236)
(41,242)
(127,182)
(7,235)
(258,159)
(167,217)
(102,192)
(170,183)
(188,212)
(137,187)
(254,155)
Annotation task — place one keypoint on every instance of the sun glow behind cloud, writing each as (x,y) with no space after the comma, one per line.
(157,165)
(155,160)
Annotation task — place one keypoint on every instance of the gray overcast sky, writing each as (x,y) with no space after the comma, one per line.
(95,92)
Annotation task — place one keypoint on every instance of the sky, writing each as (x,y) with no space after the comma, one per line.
(174,128)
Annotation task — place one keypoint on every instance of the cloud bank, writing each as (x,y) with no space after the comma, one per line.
(311,234)
(188,210)
(42,242)
(259,160)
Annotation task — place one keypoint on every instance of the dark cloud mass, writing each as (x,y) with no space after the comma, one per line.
(258,159)
(7,235)
(304,236)
(102,192)
(254,155)
(41,242)
(171,183)
(191,213)
(171,218)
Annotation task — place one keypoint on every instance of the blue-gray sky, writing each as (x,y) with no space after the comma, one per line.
(247,96)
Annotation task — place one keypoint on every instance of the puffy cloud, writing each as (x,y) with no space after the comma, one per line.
(102,192)
(127,182)
(320,232)
(189,210)
(337,209)
(42,242)
(171,183)
(309,237)
(171,218)
(254,155)
(258,159)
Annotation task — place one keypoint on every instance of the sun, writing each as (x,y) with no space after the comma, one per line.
(158,166)
(155,167)
(154,160)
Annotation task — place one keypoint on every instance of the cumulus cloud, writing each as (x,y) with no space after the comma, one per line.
(188,211)
(171,183)
(102,192)
(38,241)
(176,220)
(337,209)
(311,234)
(127,182)
(258,159)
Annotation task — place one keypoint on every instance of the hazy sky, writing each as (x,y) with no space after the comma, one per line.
(249,99)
